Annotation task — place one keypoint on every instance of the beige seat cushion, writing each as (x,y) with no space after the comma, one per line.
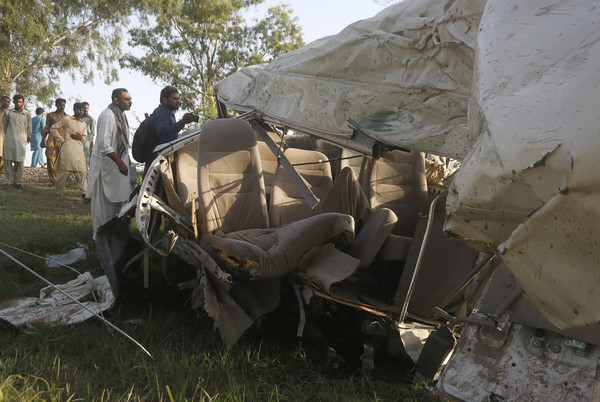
(353,160)
(186,174)
(395,248)
(269,165)
(287,203)
(373,235)
(230,184)
(397,181)
(274,252)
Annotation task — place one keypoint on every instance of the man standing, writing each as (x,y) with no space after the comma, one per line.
(17,128)
(38,123)
(163,127)
(53,147)
(4,105)
(91,133)
(110,185)
(70,133)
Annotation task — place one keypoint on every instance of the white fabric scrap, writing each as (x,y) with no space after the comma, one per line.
(54,308)
(77,254)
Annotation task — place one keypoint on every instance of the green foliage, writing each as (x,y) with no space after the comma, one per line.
(275,35)
(194,44)
(189,44)
(40,39)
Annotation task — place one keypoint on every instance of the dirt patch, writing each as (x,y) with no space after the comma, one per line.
(35,175)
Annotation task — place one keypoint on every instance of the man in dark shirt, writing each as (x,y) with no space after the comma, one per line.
(163,127)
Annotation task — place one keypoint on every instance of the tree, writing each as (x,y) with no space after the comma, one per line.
(39,39)
(194,44)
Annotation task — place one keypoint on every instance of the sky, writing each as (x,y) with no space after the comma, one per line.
(318,18)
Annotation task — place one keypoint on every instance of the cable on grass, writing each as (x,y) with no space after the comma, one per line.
(110,324)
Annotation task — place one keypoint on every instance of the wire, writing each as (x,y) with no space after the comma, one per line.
(40,257)
(110,324)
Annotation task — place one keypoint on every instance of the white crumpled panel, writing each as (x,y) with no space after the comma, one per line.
(403,75)
(54,308)
(530,184)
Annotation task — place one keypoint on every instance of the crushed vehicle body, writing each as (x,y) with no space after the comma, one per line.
(494,257)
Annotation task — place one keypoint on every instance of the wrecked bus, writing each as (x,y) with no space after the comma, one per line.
(470,129)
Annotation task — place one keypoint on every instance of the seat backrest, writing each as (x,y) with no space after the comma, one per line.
(352,159)
(268,161)
(397,181)
(332,152)
(287,203)
(359,164)
(230,184)
(186,177)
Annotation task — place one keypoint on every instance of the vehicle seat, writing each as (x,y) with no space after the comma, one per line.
(231,188)
(269,165)
(331,152)
(287,203)
(233,212)
(355,162)
(397,181)
(186,174)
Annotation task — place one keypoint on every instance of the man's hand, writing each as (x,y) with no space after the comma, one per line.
(123,169)
(43,143)
(189,117)
(77,137)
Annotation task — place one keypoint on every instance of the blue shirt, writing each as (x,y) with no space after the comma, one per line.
(37,124)
(162,128)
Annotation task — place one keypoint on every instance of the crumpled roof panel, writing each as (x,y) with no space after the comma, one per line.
(403,75)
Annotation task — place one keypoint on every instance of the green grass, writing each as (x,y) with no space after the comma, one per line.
(37,221)
(88,361)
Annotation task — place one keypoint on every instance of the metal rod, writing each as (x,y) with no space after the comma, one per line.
(411,287)
(302,322)
(480,277)
(509,300)
(468,320)
(483,263)
(78,302)
(328,160)
(46,259)
(295,177)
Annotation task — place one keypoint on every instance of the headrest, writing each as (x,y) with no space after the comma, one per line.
(226,135)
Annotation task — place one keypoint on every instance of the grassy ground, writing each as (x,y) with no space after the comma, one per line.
(88,361)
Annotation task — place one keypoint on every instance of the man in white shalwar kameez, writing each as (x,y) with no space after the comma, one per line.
(70,132)
(17,129)
(109,183)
